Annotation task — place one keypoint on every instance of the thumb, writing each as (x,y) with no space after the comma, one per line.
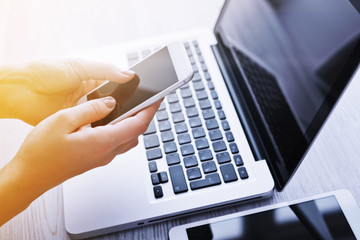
(88,112)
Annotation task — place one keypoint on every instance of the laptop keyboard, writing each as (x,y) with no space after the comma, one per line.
(191,133)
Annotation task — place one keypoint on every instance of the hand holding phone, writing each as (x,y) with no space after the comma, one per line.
(156,76)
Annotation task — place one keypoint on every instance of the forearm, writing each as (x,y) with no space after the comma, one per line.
(17,190)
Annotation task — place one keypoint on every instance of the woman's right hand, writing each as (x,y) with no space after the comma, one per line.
(60,147)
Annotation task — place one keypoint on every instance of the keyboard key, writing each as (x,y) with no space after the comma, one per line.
(211,85)
(175,107)
(198,132)
(238,160)
(189,102)
(178,179)
(158,192)
(195,122)
(186,45)
(195,68)
(225,125)
(196,77)
(198,86)
(210,180)
(164,126)
(151,129)
(189,52)
(172,159)
(211,124)
(243,173)
(170,147)
(201,59)
(167,136)
(193,173)
(151,141)
(214,95)
(201,95)
(208,114)
(132,62)
(152,166)
(153,154)
(163,177)
(229,136)
(178,117)
(192,60)
(201,143)
(155,178)
(145,53)
(207,76)
(190,161)
(217,104)
(187,150)
(185,93)
(221,115)
(184,138)
(172,98)
(223,157)
(162,115)
(162,106)
(195,43)
(197,50)
(204,68)
(209,167)
(228,173)
(205,104)
(132,55)
(181,128)
(185,86)
(205,155)
(219,146)
(234,148)
(192,112)
(215,135)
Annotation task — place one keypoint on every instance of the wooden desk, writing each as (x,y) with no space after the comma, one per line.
(332,163)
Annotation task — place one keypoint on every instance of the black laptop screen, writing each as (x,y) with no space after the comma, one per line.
(295,58)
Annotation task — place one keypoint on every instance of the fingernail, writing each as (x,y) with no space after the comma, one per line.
(109,102)
(128,72)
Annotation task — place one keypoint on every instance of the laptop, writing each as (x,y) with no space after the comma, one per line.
(266,79)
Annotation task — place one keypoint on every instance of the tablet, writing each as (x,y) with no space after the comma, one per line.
(333,215)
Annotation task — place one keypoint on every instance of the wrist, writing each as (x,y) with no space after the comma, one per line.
(20,183)
(17,190)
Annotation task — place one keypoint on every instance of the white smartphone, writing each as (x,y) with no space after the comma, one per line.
(333,215)
(156,76)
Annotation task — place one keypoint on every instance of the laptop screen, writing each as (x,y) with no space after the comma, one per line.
(295,58)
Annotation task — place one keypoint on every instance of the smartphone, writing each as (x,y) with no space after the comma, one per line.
(156,76)
(333,215)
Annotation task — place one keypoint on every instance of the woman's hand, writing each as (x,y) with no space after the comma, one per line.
(32,92)
(61,146)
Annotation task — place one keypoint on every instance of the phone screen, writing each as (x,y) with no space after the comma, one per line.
(153,75)
(315,219)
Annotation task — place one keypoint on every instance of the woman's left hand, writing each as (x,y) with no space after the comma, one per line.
(39,89)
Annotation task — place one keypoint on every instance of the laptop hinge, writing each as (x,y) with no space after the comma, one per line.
(241,108)
(233,78)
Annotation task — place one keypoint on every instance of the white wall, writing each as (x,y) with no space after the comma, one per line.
(41,28)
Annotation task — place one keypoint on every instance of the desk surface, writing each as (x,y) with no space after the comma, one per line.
(332,163)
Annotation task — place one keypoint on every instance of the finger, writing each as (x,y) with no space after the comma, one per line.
(86,113)
(123,131)
(87,70)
